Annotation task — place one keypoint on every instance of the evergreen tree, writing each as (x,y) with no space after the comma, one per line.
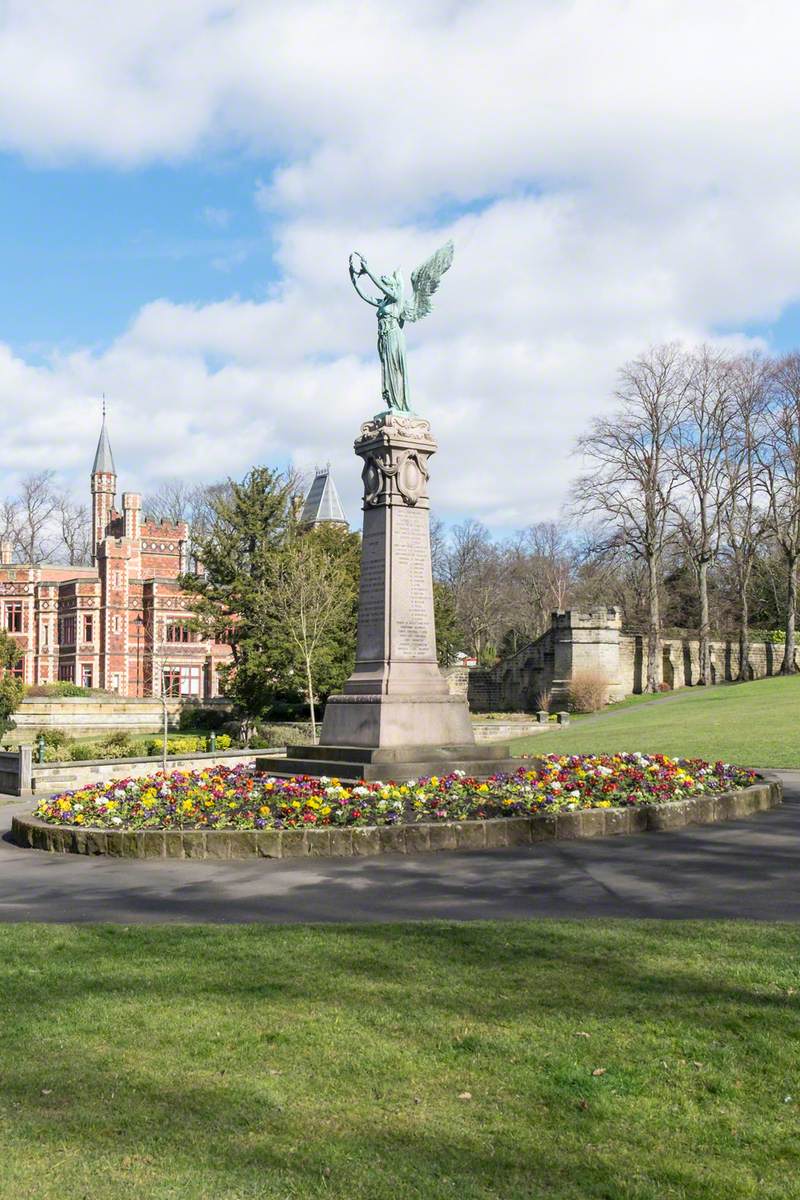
(11,689)
(250,523)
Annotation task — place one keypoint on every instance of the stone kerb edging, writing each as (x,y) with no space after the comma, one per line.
(357,841)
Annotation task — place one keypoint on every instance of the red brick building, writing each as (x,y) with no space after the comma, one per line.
(121,622)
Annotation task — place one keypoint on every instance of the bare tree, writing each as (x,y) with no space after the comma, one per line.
(177,501)
(700,465)
(779,455)
(631,478)
(438,547)
(34,527)
(76,531)
(743,514)
(310,597)
(477,573)
(541,565)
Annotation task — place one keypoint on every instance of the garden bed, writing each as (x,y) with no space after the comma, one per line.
(227,812)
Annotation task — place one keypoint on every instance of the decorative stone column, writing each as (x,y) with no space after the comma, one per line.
(396,695)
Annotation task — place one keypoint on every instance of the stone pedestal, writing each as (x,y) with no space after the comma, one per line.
(396,695)
(396,716)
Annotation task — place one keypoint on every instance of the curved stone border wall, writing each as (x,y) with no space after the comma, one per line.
(393,839)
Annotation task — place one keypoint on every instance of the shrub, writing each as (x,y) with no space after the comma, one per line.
(543,700)
(664,687)
(60,688)
(193,717)
(281,735)
(588,690)
(82,751)
(52,737)
(118,742)
(177,745)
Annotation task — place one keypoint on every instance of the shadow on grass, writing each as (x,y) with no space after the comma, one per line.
(268,1056)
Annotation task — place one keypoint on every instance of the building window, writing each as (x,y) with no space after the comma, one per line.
(18,669)
(45,634)
(88,631)
(66,672)
(178,633)
(86,674)
(181,681)
(115,682)
(14,617)
(66,631)
(116,624)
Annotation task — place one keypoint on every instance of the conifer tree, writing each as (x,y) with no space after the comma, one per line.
(240,555)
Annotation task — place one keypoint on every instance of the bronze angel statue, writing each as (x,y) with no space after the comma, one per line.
(393,312)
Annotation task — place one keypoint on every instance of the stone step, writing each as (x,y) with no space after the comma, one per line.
(393,754)
(397,771)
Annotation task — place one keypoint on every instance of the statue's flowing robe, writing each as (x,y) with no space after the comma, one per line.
(392,351)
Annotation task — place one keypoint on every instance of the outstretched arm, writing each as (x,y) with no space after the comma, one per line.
(366,271)
(354,281)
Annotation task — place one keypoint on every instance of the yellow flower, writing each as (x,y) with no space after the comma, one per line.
(325,810)
(79,819)
(434,780)
(264,810)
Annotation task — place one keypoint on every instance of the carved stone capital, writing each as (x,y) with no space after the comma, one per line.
(397,424)
(395,449)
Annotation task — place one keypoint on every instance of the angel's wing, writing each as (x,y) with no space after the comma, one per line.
(425,281)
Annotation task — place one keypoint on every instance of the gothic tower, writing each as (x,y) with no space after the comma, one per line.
(104,488)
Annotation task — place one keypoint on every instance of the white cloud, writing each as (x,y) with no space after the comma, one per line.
(632,173)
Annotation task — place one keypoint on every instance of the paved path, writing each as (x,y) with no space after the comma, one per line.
(736,869)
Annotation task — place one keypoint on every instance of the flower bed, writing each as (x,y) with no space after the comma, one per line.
(236,798)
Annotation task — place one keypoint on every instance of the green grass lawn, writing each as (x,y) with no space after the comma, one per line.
(622,1061)
(754,724)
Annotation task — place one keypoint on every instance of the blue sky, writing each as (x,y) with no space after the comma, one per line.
(87,246)
(182,181)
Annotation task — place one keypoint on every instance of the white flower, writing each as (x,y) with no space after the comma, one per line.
(78,807)
(360,791)
(116,820)
(119,794)
(324,778)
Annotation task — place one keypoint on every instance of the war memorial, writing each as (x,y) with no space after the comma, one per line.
(395,716)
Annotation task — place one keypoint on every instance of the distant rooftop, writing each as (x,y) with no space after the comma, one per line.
(322,502)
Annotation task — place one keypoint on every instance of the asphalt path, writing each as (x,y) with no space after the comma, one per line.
(746,868)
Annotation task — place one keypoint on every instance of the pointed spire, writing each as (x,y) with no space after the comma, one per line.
(104,459)
(322,502)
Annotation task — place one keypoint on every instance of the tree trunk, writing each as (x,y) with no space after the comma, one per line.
(654,626)
(745,671)
(787,667)
(704,676)
(311,702)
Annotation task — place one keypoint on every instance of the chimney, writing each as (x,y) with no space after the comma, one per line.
(6,551)
(132,510)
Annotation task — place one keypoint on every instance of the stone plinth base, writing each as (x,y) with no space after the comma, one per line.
(398,763)
(387,721)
